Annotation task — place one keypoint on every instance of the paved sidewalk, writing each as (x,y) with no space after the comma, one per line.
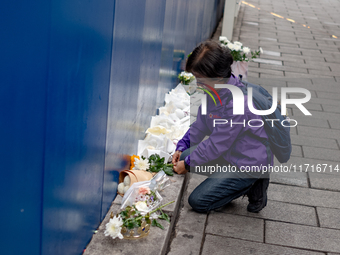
(303,211)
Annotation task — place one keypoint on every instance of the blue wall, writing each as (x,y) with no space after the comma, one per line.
(80,81)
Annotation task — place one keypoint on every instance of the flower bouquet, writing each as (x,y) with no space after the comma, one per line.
(130,223)
(240,55)
(188,80)
(186,77)
(143,195)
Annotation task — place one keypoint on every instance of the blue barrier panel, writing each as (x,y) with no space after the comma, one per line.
(23,72)
(77,101)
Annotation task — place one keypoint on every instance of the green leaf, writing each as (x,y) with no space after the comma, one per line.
(156,224)
(164,216)
(168,170)
(124,213)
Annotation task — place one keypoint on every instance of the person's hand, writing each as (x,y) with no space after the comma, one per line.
(176,157)
(180,167)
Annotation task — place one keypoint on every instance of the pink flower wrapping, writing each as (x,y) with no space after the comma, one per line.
(144,190)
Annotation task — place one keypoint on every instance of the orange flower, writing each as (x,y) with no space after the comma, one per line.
(132,161)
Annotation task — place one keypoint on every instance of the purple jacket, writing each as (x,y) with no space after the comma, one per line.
(238,147)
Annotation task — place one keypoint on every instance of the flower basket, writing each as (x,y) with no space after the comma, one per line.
(135,176)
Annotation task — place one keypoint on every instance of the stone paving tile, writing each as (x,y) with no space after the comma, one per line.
(235,226)
(320,115)
(331,108)
(318,86)
(328,95)
(191,221)
(186,243)
(296,151)
(299,236)
(283,68)
(299,214)
(323,101)
(329,218)
(319,132)
(325,180)
(321,153)
(304,196)
(310,106)
(308,65)
(309,120)
(335,124)
(321,72)
(289,178)
(314,141)
(223,245)
(301,75)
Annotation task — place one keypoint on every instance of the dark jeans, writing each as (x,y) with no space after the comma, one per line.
(219,189)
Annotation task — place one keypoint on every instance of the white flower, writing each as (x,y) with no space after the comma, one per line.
(237,47)
(246,50)
(238,43)
(113,227)
(141,206)
(141,164)
(261,50)
(222,38)
(231,46)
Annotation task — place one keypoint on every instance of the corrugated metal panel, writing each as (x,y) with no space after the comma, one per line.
(80,82)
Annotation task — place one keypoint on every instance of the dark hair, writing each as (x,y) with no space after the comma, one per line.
(210,60)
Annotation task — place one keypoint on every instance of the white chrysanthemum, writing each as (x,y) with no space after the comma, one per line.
(141,206)
(238,43)
(246,50)
(231,46)
(261,50)
(113,227)
(222,38)
(141,164)
(237,47)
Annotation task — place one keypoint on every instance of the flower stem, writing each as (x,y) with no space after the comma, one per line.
(140,217)
(161,207)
